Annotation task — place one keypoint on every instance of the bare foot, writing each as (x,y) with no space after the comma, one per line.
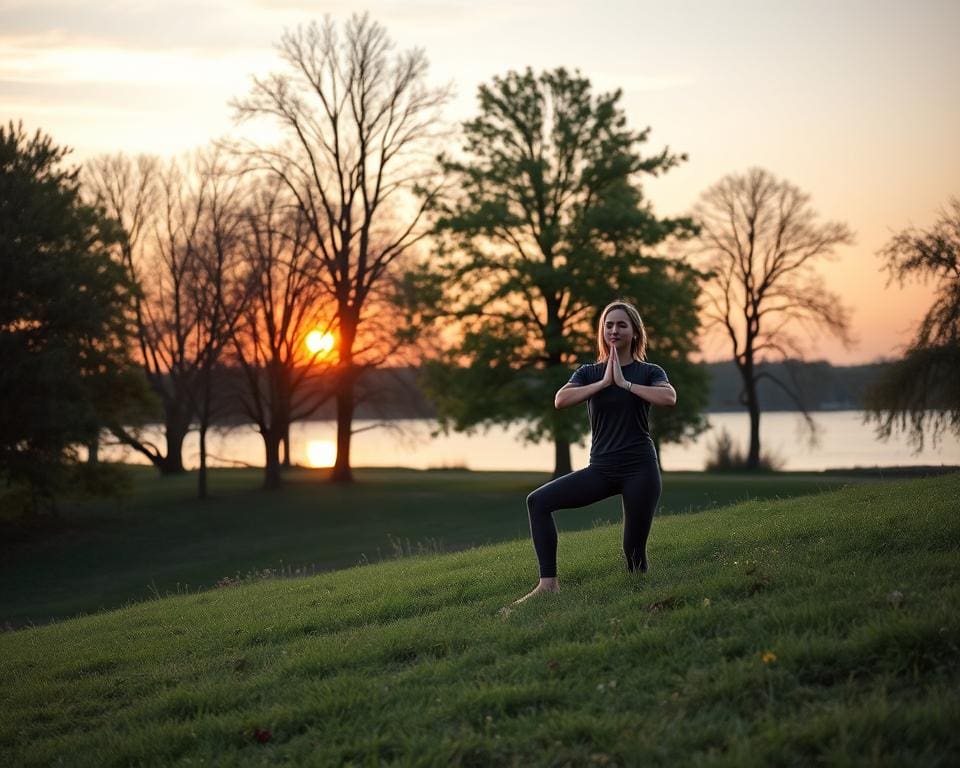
(545,585)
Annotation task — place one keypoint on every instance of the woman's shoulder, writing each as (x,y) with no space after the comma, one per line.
(591,366)
(587,373)
(648,366)
(653,372)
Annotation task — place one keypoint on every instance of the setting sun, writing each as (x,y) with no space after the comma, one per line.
(319,342)
(321,453)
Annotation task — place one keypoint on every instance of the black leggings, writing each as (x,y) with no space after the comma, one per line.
(640,490)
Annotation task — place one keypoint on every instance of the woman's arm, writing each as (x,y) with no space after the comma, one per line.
(574,394)
(661,394)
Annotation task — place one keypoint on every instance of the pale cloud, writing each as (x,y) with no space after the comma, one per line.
(630,82)
(423,11)
(815,91)
(23,62)
(211,24)
(231,24)
(98,111)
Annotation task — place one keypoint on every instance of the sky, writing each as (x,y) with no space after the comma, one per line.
(856,102)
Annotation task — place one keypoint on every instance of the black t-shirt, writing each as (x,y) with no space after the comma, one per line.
(620,420)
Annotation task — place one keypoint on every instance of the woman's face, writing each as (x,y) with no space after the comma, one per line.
(618,331)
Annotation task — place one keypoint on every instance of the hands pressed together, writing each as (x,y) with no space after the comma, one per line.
(571,394)
(613,374)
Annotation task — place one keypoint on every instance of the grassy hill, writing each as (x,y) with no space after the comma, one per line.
(819,629)
(159,538)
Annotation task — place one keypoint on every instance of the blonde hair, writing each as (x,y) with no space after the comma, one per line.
(638,344)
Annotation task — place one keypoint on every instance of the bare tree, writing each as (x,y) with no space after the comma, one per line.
(219,287)
(286,302)
(359,124)
(172,350)
(179,244)
(761,244)
(130,192)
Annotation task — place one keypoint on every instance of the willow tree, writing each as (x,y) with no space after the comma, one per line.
(545,223)
(357,121)
(920,391)
(761,243)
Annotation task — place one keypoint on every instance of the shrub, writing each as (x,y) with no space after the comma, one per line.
(724,455)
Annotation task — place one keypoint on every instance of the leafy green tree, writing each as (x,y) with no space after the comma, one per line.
(63,316)
(544,224)
(920,390)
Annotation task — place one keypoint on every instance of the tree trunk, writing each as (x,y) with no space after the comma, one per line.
(562,464)
(342,473)
(202,475)
(175,430)
(753,406)
(271,476)
(93,451)
(553,343)
(286,447)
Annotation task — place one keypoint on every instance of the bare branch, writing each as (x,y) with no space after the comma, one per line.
(761,243)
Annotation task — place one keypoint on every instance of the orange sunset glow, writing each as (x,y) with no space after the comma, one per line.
(321,453)
(320,343)
(853,102)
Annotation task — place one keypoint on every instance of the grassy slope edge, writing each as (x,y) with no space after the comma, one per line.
(817,629)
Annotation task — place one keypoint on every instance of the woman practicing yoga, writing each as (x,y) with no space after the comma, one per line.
(623,459)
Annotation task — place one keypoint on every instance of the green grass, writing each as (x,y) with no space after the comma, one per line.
(161,539)
(814,630)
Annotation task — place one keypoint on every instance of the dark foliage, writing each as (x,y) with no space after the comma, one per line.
(921,391)
(64,316)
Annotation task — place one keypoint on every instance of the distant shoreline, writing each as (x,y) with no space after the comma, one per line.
(390,394)
(404,417)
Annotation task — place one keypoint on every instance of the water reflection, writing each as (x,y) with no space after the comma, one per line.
(845,441)
(321,453)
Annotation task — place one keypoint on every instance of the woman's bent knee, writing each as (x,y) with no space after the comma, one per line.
(534,502)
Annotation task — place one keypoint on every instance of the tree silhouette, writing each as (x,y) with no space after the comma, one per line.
(761,243)
(64,316)
(286,301)
(545,224)
(218,288)
(357,122)
(921,390)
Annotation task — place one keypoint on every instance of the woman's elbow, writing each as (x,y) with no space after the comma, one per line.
(671,397)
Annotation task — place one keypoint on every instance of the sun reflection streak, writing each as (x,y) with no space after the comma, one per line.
(321,453)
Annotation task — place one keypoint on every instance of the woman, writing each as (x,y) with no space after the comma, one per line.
(623,459)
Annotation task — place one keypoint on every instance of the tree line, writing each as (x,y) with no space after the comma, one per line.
(134,287)
(400,395)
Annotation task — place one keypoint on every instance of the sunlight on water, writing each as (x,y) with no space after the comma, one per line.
(321,453)
(844,440)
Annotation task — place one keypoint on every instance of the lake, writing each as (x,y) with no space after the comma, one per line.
(843,441)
